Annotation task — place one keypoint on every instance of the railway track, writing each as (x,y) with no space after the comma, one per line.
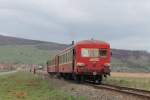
(145,95)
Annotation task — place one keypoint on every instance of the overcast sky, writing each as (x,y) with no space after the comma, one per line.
(124,23)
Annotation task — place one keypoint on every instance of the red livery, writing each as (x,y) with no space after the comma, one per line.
(84,60)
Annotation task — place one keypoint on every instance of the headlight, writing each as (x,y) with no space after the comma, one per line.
(107,64)
(81,64)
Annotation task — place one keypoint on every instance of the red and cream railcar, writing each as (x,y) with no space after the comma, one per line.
(52,65)
(85,60)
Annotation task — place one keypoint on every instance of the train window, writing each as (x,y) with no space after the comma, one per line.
(61,59)
(71,55)
(68,56)
(89,52)
(53,62)
(64,58)
(103,52)
(94,52)
(85,52)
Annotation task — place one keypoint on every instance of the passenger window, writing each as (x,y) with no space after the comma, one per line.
(103,52)
(85,52)
(90,52)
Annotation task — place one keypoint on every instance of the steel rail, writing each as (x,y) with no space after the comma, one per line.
(130,91)
(144,94)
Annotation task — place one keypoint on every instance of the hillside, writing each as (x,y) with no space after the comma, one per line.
(7,40)
(24,54)
(127,60)
(18,50)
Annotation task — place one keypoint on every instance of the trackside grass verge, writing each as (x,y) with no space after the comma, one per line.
(26,86)
(133,82)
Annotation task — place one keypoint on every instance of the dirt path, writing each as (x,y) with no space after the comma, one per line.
(5,73)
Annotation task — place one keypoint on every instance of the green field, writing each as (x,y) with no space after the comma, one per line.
(31,54)
(25,54)
(130,65)
(133,82)
(26,86)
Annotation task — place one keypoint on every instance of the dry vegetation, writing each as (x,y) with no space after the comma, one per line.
(125,74)
(134,80)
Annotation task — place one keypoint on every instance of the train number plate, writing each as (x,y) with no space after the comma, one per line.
(94,59)
(94,73)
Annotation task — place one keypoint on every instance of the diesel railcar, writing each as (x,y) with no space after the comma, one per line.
(84,60)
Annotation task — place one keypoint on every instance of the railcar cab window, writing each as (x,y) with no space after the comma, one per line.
(89,52)
(93,52)
(103,52)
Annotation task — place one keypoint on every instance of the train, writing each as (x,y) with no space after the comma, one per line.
(86,60)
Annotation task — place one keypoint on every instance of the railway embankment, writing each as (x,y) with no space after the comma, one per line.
(41,86)
(90,92)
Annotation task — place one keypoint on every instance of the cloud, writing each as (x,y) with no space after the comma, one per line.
(118,22)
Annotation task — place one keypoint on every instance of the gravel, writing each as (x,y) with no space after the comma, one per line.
(90,93)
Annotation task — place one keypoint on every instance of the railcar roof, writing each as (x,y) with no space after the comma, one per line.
(91,42)
(85,42)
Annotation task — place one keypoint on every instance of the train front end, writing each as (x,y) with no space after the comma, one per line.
(93,59)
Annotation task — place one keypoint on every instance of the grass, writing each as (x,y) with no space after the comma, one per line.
(130,65)
(25,54)
(30,54)
(26,86)
(133,82)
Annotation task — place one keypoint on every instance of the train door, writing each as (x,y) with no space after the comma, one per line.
(73,58)
(57,64)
